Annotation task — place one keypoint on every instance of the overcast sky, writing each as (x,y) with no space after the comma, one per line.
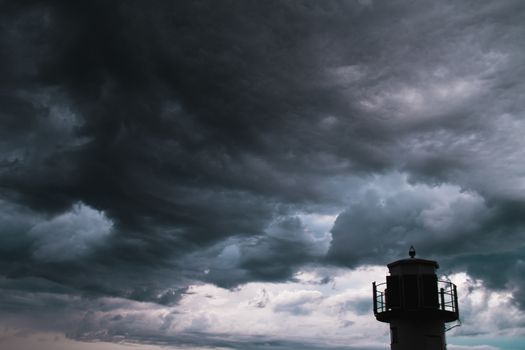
(235,174)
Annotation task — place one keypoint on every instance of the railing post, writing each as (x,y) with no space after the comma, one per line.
(442,296)
(374,291)
(456,309)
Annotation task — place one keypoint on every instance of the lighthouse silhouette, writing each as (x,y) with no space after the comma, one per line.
(415,304)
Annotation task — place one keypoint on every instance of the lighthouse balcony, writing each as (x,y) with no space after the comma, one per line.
(417,297)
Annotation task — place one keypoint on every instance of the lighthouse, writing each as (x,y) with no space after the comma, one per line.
(416,304)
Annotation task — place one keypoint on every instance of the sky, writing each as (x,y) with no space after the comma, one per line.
(235,174)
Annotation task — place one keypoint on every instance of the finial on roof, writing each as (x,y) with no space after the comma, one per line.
(412,251)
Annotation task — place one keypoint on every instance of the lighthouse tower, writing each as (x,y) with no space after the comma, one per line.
(415,304)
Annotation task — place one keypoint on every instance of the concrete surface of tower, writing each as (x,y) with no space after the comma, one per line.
(415,304)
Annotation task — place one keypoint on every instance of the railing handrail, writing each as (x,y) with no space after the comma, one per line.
(447,297)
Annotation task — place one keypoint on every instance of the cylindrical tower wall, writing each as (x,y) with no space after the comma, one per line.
(417,335)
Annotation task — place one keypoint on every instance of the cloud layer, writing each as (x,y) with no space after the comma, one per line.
(148,149)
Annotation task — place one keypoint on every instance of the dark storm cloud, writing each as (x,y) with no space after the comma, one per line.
(172,123)
(194,135)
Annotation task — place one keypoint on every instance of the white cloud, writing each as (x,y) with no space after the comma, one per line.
(471,347)
(297,302)
(484,311)
(337,313)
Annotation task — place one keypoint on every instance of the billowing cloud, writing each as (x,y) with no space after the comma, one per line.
(299,302)
(442,221)
(71,235)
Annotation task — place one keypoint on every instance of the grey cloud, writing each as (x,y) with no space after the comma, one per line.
(297,303)
(225,341)
(458,228)
(274,255)
(360,306)
(69,235)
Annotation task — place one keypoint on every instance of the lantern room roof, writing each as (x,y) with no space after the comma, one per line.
(414,261)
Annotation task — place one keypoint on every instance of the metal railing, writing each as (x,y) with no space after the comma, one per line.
(379,297)
(447,297)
